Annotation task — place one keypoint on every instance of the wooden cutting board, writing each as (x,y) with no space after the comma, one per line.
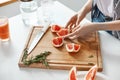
(59,58)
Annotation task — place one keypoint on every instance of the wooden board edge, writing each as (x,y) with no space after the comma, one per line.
(99,59)
(29,35)
(58,67)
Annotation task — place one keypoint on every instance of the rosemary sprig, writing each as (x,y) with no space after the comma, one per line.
(40,58)
(90,56)
(25,54)
(90,63)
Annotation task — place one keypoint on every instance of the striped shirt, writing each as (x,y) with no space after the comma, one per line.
(116,17)
(116,14)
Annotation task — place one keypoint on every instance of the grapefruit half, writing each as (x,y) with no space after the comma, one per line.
(62,32)
(72,47)
(55,28)
(91,73)
(73,73)
(57,41)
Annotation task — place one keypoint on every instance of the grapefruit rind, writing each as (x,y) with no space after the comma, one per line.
(73,73)
(91,74)
(57,41)
(69,47)
(76,47)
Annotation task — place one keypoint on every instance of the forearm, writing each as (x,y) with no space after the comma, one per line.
(113,25)
(85,10)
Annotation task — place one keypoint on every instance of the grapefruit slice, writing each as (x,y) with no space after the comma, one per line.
(55,28)
(73,73)
(72,47)
(76,47)
(57,41)
(62,32)
(91,73)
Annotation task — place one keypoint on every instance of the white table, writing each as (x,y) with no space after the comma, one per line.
(10,52)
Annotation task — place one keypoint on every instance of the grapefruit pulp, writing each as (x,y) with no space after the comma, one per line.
(72,47)
(91,73)
(55,28)
(57,41)
(73,73)
(62,32)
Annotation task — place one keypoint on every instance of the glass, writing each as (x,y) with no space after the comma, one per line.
(4,29)
(47,10)
(29,11)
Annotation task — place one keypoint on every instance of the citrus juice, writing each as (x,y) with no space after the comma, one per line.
(4,29)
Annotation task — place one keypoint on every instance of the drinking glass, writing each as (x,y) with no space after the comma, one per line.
(47,10)
(4,28)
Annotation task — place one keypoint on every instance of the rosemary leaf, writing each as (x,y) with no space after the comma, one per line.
(90,63)
(25,54)
(45,63)
(91,56)
(41,58)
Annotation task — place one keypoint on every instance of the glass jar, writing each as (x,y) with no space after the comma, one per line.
(29,12)
(47,10)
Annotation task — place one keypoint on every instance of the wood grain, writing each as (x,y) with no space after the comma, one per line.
(60,58)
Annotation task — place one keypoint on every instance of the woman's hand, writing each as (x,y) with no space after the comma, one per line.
(72,23)
(77,18)
(82,31)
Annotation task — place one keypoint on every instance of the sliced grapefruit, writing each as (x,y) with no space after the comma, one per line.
(72,47)
(73,73)
(91,73)
(76,47)
(62,32)
(55,28)
(57,41)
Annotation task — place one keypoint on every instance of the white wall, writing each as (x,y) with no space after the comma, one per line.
(74,4)
(13,9)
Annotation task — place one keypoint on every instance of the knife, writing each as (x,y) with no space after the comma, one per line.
(37,39)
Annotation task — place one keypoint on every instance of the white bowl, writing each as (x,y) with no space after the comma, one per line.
(99,76)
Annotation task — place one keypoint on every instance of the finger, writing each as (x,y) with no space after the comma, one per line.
(75,34)
(70,27)
(68,23)
(78,20)
(72,20)
(69,35)
(76,28)
(78,35)
(74,37)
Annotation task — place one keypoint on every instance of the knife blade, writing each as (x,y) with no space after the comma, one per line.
(37,39)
